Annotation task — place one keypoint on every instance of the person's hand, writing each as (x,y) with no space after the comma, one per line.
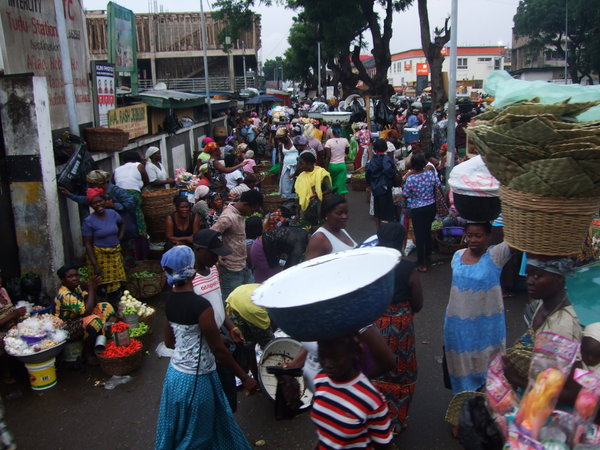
(109,204)
(250,385)
(237,336)
(63,191)
(94,281)
(170,180)
(19,312)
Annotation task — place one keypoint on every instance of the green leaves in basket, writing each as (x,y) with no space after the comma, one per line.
(592,169)
(535,131)
(530,182)
(501,167)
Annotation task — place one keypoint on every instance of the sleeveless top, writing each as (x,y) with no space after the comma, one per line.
(336,244)
(129,177)
(187,231)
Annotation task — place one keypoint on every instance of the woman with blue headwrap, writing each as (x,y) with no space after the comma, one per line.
(194,412)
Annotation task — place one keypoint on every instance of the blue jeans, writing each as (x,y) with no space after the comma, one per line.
(230,280)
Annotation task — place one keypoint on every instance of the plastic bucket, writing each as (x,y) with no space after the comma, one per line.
(72,351)
(131,319)
(43,375)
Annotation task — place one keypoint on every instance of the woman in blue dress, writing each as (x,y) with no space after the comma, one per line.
(474,326)
(194,413)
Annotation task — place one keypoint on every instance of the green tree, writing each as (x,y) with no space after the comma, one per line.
(272,68)
(340,24)
(543,23)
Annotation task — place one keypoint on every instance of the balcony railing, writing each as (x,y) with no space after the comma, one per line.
(198,84)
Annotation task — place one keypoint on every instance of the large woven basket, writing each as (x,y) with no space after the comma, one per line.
(149,286)
(546,225)
(358,184)
(105,139)
(122,365)
(272,202)
(157,205)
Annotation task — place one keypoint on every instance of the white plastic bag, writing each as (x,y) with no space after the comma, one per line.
(473,178)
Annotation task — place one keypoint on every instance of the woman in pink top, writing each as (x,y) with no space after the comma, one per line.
(335,152)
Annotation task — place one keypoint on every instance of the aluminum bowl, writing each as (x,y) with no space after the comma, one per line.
(40,357)
(331,295)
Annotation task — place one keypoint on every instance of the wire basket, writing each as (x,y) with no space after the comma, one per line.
(157,205)
(148,286)
(546,225)
(105,139)
(121,365)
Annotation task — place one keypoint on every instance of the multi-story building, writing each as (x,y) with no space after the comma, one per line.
(536,64)
(169,49)
(474,64)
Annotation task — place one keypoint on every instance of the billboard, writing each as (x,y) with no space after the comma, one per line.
(122,44)
(422,69)
(30,44)
(103,83)
(132,119)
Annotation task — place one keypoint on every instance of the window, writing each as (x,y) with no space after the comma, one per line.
(461,63)
(484,59)
(497,63)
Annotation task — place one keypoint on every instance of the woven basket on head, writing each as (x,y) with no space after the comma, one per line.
(157,205)
(546,225)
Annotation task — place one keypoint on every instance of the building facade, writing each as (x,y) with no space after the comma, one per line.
(474,64)
(169,50)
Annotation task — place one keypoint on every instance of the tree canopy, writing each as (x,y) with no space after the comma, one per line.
(272,68)
(340,25)
(543,22)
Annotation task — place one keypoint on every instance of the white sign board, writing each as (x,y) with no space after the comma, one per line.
(30,44)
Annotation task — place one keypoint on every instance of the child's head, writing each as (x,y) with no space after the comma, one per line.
(590,345)
(339,357)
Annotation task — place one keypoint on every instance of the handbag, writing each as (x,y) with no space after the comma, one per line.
(441,205)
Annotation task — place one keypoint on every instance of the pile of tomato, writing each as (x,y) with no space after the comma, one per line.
(119,327)
(113,351)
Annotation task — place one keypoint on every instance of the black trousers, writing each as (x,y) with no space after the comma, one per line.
(422,218)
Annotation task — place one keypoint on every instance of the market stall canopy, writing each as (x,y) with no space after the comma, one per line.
(166,98)
(263,99)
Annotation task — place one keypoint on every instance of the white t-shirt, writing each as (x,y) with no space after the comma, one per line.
(232,177)
(128,176)
(155,172)
(209,287)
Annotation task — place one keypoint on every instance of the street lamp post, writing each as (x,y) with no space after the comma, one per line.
(207,88)
(244,63)
(566,36)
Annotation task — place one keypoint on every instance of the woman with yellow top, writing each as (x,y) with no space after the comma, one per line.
(80,309)
(311,186)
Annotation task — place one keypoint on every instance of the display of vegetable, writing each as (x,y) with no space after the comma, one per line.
(142,309)
(113,351)
(130,310)
(358,175)
(139,331)
(119,327)
(143,274)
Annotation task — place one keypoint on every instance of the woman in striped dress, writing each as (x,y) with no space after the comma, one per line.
(474,326)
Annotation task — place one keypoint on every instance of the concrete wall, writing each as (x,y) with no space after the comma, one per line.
(25,115)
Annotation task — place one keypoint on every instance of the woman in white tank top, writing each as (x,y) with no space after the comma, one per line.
(332,236)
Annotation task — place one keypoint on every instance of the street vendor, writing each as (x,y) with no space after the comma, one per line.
(80,308)
(554,313)
(311,186)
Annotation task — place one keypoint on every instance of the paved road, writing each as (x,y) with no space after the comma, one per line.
(77,414)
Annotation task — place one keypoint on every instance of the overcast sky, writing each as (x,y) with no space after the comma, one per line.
(480,22)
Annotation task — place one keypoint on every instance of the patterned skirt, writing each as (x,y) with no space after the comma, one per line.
(139,214)
(194,413)
(110,261)
(398,386)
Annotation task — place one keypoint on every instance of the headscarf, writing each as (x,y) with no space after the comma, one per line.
(92,193)
(97,177)
(562,266)
(309,130)
(312,151)
(241,148)
(592,331)
(151,151)
(249,154)
(178,264)
(206,140)
(201,192)
(300,140)
(229,139)
(281,132)
(210,147)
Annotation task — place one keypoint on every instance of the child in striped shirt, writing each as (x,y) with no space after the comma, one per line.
(348,411)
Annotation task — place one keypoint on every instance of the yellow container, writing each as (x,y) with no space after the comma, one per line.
(42,375)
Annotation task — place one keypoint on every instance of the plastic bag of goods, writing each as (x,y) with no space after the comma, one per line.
(475,190)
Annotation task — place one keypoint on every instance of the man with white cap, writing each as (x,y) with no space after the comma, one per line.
(157,175)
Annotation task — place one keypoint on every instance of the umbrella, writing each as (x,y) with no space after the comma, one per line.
(263,99)
(583,287)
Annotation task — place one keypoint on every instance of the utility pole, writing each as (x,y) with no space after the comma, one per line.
(244,63)
(451,124)
(67,72)
(566,37)
(207,90)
